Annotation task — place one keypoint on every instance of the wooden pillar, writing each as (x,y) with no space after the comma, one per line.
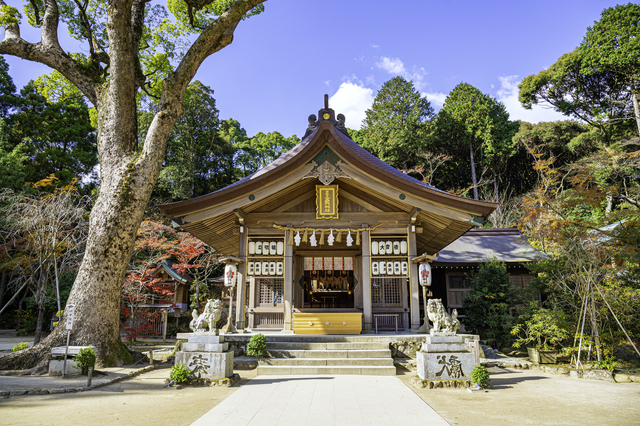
(241,284)
(365,243)
(252,301)
(288,281)
(414,281)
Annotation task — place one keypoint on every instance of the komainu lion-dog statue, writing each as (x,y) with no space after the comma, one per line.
(443,323)
(209,317)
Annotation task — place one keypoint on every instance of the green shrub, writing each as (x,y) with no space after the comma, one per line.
(480,376)
(488,306)
(257,346)
(542,329)
(608,360)
(58,315)
(86,358)
(20,346)
(180,374)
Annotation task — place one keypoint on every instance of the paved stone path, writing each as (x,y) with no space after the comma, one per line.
(322,400)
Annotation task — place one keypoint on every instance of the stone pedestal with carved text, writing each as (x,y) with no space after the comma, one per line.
(206,354)
(445,358)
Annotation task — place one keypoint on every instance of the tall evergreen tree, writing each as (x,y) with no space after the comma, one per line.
(394,129)
(57,137)
(474,122)
(198,160)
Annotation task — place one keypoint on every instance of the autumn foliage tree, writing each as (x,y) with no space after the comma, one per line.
(157,243)
(585,216)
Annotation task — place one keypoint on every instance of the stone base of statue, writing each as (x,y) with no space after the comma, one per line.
(206,354)
(445,358)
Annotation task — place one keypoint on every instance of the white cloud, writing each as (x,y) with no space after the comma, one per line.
(352,100)
(436,98)
(375,46)
(392,66)
(508,95)
(396,67)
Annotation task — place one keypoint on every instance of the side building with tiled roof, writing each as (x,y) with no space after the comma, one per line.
(458,261)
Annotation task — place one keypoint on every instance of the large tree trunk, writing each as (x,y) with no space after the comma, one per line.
(636,108)
(474,180)
(127,175)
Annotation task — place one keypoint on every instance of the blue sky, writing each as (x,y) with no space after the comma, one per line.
(282,62)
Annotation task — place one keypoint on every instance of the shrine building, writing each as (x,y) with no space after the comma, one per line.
(328,237)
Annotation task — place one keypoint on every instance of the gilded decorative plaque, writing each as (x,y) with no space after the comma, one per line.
(326,201)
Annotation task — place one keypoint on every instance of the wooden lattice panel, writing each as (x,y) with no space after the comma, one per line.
(387,292)
(270,291)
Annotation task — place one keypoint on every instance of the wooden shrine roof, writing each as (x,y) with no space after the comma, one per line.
(277,187)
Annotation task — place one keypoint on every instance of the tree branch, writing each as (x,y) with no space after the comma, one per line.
(137,26)
(48,51)
(215,37)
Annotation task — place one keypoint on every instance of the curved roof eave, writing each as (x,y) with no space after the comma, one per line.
(303,153)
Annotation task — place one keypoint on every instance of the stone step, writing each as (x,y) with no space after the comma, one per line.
(327,345)
(326,338)
(319,354)
(330,362)
(305,370)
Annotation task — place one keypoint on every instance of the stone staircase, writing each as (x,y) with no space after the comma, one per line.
(326,356)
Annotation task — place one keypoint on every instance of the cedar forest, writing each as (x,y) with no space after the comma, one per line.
(572,187)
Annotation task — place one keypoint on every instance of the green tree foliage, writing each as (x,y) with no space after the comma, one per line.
(600,99)
(57,138)
(395,127)
(472,123)
(198,160)
(263,148)
(7,89)
(598,81)
(612,45)
(488,306)
(563,142)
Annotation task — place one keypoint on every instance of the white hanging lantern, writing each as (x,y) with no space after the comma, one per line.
(381,246)
(312,240)
(389,268)
(250,268)
(405,267)
(230,275)
(258,247)
(349,240)
(388,247)
(396,248)
(265,269)
(272,268)
(374,248)
(403,247)
(297,239)
(273,248)
(382,265)
(279,268)
(396,267)
(330,238)
(252,248)
(425,274)
(257,269)
(374,268)
(280,248)
(265,248)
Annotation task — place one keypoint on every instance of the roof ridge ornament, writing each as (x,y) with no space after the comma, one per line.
(326,114)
